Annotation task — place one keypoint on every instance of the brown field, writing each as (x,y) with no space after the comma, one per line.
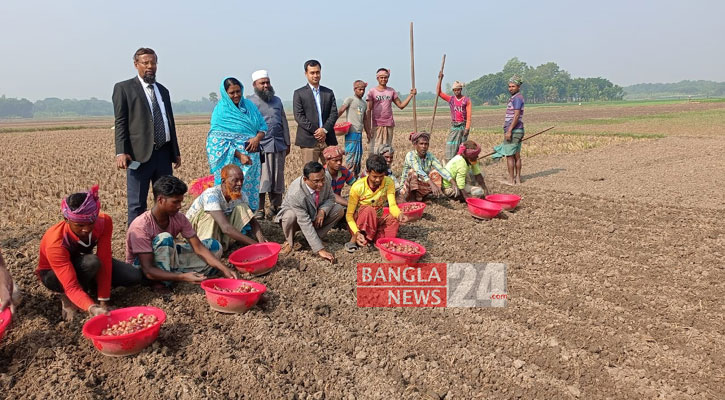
(615,276)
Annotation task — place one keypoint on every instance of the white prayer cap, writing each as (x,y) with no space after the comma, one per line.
(259,75)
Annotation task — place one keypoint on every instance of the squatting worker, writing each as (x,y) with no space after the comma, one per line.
(275,145)
(315,112)
(151,245)
(67,264)
(144,131)
(338,174)
(380,108)
(460,116)
(365,208)
(466,172)
(309,206)
(513,128)
(422,173)
(220,212)
(10,295)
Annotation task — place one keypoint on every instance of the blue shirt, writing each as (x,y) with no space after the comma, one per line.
(316,93)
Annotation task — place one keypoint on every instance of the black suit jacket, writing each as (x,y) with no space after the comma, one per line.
(134,129)
(305,111)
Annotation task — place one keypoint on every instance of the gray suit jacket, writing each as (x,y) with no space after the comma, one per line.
(302,202)
(134,128)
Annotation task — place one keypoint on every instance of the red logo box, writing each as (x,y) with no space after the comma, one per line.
(402,285)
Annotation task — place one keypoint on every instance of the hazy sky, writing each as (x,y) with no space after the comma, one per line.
(79,49)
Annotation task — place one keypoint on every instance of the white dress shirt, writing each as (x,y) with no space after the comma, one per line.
(316,93)
(161,105)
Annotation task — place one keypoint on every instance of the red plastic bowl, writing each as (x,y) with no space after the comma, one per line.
(227,302)
(342,127)
(256,259)
(397,257)
(507,201)
(5,318)
(123,345)
(412,215)
(480,208)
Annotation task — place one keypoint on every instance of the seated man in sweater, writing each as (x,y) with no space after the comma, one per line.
(67,264)
(151,246)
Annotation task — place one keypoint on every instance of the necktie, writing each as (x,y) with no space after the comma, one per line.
(317,199)
(159,128)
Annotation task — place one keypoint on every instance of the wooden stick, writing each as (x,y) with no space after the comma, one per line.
(435,104)
(412,78)
(523,140)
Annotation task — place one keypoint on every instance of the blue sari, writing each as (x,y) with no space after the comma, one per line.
(231,127)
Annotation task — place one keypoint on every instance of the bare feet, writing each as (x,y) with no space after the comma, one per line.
(68,309)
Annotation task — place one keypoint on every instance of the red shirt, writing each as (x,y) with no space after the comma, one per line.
(59,244)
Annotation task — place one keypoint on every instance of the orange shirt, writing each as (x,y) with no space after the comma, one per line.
(59,244)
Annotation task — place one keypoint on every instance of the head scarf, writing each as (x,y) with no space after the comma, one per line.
(516,80)
(228,117)
(384,148)
(87,212)
(415,136)
(457,85)
(383,72)
(469,153)
(331,152)
(361,83)
(259,75)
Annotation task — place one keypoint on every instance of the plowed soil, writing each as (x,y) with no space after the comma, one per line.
(615,285)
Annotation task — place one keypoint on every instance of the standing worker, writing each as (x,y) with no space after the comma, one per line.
(380,106)
(513,128)
(145,133)
(460,116)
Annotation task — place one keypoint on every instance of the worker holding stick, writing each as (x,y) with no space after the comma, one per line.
(460,116)
(380,101)
(513,128)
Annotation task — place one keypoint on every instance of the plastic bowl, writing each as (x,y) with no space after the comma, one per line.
(480,208)
(227,302)
(342,128)
(412,215)
(256,259)
(128,344)
(507,201)
(5,318)
(397,257)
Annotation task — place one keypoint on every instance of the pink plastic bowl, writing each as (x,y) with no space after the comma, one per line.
(507,201)
(412,215)
(342,127)
(396,257)
(480,208)
(256,259)
(227,302)
(123,345)
(5,318)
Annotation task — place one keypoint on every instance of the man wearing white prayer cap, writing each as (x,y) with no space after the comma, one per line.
(275,145)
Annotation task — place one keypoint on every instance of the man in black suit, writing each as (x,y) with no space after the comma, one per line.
(145,133)
(315,112)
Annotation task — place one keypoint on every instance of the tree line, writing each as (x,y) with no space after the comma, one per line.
(682,89)
(547,83)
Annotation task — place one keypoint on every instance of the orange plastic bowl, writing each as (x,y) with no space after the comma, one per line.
(507,201)
(228,302)
(128,344)
(398,257)
(256,259)
(5,318)
(412,215)
(480,208)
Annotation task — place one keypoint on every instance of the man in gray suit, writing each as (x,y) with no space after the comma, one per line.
(309,206)
(315,111)
(145,132)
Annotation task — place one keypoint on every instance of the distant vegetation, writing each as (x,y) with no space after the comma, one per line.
(679,90)
(546,83)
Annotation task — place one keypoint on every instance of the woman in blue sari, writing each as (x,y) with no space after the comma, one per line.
(237,126)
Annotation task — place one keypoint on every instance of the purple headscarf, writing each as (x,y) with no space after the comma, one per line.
(87,212)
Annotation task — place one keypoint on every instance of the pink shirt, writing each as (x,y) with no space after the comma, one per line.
(144,228)
(382,105)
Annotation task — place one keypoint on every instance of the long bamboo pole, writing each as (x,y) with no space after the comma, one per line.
(435,103)
(523,140)
(412,78)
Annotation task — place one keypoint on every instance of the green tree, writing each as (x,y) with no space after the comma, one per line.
(213,97)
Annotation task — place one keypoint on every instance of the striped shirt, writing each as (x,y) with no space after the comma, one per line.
(338,182)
